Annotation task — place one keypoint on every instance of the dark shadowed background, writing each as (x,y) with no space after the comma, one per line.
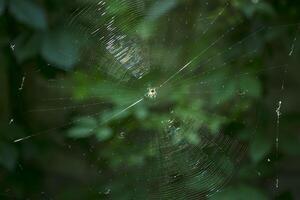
(90,129)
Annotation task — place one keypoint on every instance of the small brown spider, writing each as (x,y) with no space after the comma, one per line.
(151,93)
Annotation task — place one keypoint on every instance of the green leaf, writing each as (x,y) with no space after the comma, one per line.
(193,138)
(103,133)
(27,47)
(84,127)
(28,13)
(251,86)
(160,8)
(87,122)
(145,30)
(80,132)
(59,48)
(260,147)
(141,113)
(265,8)
(2,7)
(114,7)
(225,92)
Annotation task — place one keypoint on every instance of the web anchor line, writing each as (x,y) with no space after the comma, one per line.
(112,117)
(278,116)
(278,113)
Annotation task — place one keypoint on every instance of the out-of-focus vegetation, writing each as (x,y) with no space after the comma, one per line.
(103,155)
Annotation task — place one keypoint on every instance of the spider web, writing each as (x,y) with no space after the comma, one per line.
(189,157)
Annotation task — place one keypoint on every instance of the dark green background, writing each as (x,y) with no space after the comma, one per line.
(115,159)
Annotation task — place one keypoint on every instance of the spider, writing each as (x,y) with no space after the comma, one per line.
(151,93)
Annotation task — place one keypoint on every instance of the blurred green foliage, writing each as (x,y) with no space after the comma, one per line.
(101,151)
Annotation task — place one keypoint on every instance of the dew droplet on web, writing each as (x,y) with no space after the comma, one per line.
(12,47)
(259,173)
(22,83)
(293,47)
(107,191)
(122,135)
(292,50)
(11,121)
(278,111)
